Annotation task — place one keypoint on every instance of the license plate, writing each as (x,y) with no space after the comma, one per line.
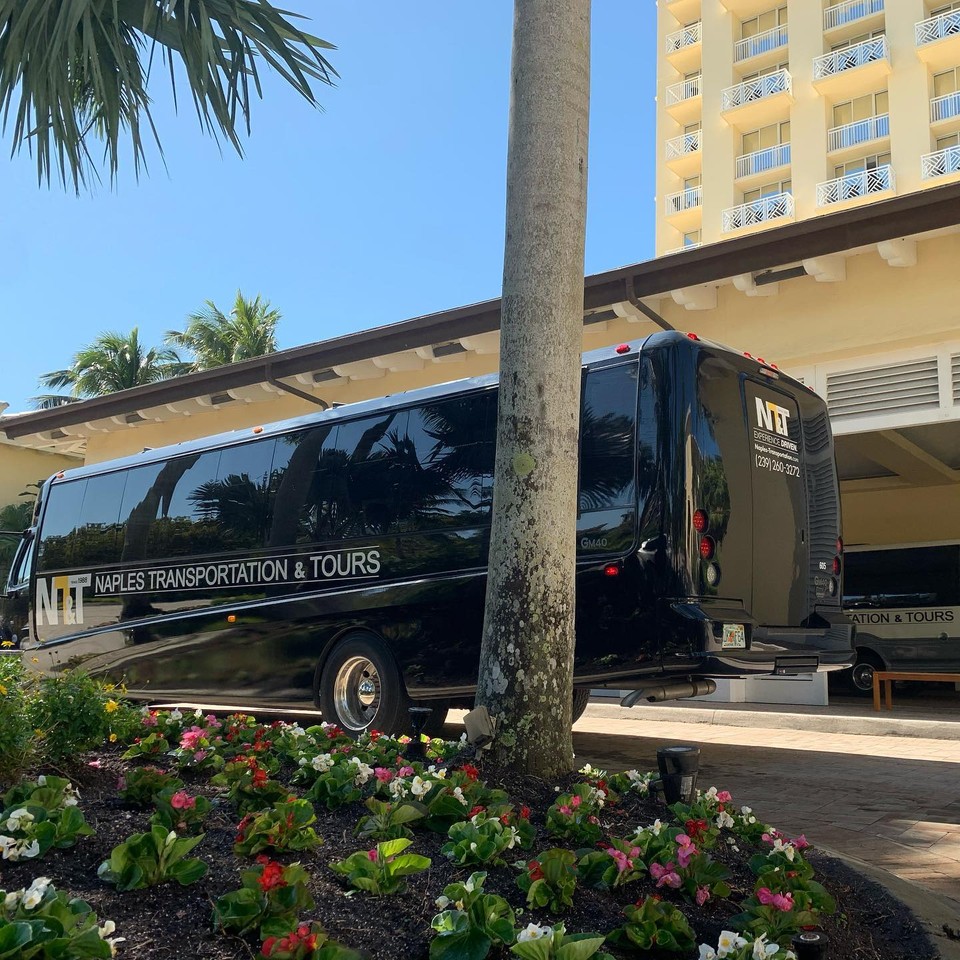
(734,637)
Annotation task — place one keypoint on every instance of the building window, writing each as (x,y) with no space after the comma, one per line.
(765,21)
(946,82)
(860,108)
(945,8)
(691,128)
(776,68)
(768,190)
(692,239)
(770,136)
(853,41)
(863,163)
(953,140)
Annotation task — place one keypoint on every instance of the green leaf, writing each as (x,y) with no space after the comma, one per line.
(533,949)
(468,945)
(408,864)
(188,871)
(579,946)
(390,848)
(13,936)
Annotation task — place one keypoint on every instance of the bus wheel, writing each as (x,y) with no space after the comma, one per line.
(861,673)
(581,697)
(361,687)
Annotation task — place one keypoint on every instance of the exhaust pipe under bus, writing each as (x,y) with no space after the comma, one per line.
(670,691)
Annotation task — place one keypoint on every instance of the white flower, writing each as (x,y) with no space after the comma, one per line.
(463,738)
(11,899)
(322,762)
(171,838)
(8,847)
(28,851)
(534,931)
(442,902)
(711,794)
(473,846)
(113,941)
(364,772)
(707,953)
(296,731)
(513,837)
(655,828)
(787,849)
(106,928)
(746,811)
(469,885)
(198,712)
(419,787)
(724,819)
(440,774)
(41,780)
(176,715)
(398,787)
(458,793)
(762,949)
(19,818)
(728,942)
(32,899)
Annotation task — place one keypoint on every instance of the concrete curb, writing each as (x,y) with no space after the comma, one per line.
(932,910)
(879,726)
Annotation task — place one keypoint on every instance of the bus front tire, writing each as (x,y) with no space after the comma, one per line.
(361,688)
(861,673)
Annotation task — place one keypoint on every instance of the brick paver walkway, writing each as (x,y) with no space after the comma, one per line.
(891,801)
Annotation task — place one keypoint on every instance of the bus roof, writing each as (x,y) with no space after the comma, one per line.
(304,421)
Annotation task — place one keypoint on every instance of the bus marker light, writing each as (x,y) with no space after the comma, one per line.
(231,618)
(700,521)
(749,356)
(839,544)
(761,360)
(836,567)
(258,429)
(708,547)
(60,475)
(693,336)
(611,570)
(623,348)
(712,574)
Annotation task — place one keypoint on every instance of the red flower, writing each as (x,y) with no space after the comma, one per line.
(268,946)
(696,828)
(524,813)
(471,771)
(375,735)
(477,809)
(534,871)
(259,778)
(272,876)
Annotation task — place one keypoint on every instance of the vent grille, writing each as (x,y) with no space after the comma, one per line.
(955,376)
(896,388)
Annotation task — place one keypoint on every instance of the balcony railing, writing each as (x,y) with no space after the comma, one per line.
(945,107)
(768,85)
(860,131)
(762,160)
(684,144)
(757,211)
(941,163)
(684,90)
(849,58)
(841,14)
(854,185)
(936,28)
(687,37)
(761,43)
(688,199)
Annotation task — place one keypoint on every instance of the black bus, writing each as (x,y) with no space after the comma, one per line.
(339,559)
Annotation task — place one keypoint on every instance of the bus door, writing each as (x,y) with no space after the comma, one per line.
(16,560)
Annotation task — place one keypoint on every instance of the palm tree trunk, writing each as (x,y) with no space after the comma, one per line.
(526,663)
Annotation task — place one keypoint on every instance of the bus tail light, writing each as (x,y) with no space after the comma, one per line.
(840,545)
(623,348)
(712,574)
(835,568)
(700,521)
(611,570)
(708,547)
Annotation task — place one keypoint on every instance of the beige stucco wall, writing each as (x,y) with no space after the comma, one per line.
(20,466)
(902,516)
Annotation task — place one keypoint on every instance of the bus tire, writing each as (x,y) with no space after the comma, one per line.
(360,687)
(861,673)
(581,697)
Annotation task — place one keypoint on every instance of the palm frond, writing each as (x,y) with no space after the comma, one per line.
(72,73)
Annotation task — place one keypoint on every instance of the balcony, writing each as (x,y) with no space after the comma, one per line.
(855,186)
(683,209)
(851,17)
(758,213)
(683,10)
(683,153)
(942,163)
(766,45)
(683,99)
(855,135)
(761,162)
(682,47)
(852,71)
(756,102)
(945,111)
(938,40)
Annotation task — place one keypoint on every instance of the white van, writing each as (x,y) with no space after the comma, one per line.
(905,600)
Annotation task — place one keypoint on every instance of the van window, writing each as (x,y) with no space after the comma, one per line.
(902,577)
(96,540)
(64,500)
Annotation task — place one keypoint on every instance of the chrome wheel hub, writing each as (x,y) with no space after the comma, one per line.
(356,693)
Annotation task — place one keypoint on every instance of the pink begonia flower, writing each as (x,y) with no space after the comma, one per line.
(685,849)
(150,720)
(724,796)
(703,895)
(383,774)
(212,722)
(200,756)
(372,856)
(771,836)
(575,801)
(565,810)
(780,901)
(622,861)
(801,842)
(405,772)
(666,876)
(191,738)
(592,819)
(182,800)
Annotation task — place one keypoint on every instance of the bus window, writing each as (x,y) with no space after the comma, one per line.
(237,502)
(62,514)
(96,540)
(184,524)
(608,439)
(906,577)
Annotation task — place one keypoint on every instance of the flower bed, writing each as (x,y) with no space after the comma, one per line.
(222,838)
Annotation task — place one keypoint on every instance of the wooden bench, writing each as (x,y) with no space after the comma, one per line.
(886,677)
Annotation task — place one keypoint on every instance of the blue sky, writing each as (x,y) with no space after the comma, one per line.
(387,205)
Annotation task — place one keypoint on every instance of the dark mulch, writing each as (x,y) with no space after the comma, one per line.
(171,922)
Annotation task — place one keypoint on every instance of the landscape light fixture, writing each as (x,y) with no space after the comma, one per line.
(480,727)
(810,945)
(418,720)
(678,766)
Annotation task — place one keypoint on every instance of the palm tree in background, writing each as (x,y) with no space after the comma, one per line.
(114,361)
(215,338)
(75,73)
